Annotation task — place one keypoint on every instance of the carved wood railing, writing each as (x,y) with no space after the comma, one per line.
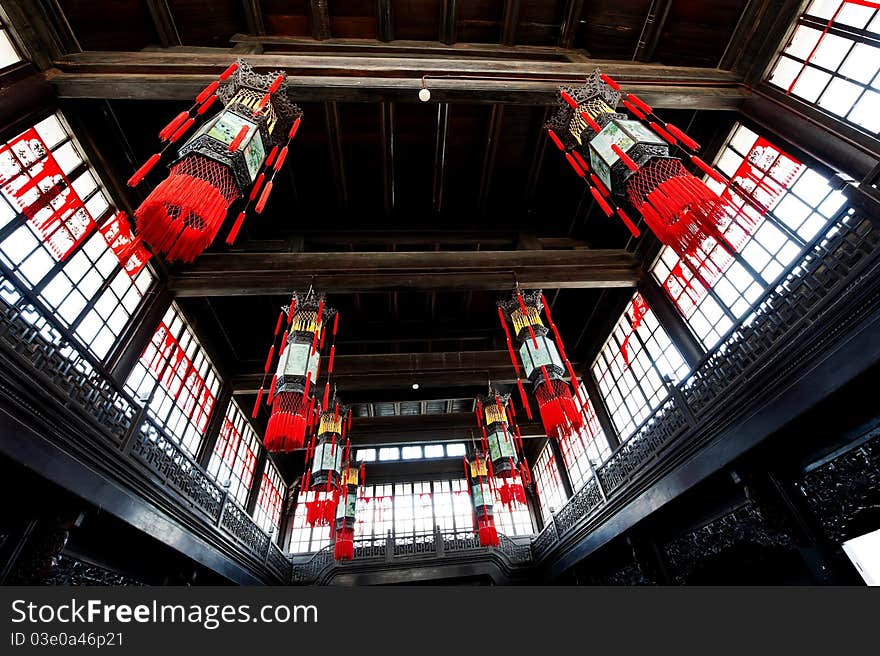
(410,549)
(47,375)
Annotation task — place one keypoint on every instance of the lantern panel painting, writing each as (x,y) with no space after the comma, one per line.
(534,358)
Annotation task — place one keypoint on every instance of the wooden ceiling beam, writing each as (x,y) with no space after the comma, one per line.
(280,43)
(399,371)
(237,274)
(174,75)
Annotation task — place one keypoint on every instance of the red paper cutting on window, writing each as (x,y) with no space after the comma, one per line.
(756,186)
(639,310)
(129,250)
(178,376)
(36,185)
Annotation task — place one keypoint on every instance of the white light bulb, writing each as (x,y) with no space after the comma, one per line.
(424,95)
(415,386)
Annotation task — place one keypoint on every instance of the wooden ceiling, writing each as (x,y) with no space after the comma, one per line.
(384,172)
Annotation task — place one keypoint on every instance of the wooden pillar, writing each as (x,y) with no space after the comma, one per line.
(138,333)
(598,403)
(254,490)
(564,478)
(215,424)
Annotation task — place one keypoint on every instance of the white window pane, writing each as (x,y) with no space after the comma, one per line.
(840,96)
(811,84)
(8,55)
(862,63)
(867,112)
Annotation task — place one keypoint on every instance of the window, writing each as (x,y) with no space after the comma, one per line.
(366,455)
(632,364)
(514,519)
(375,511)
(833,60)
(414,508)
(551,495)
(9,54)
(54,216)
(588,445)
(434,451)
(235,454)
(389,453)
(304,538)
(412,452)
(177,381)
(455,450)
(799,205)
(267,513)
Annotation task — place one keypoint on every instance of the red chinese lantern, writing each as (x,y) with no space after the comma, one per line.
(476,473)
(502,441)
(292,391)
(543,361)
(328,450)
(233,155)
(625,159)
(346,510)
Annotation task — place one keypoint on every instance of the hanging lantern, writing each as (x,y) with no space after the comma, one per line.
(291,393)
(632,159)
(477,474)
(346,510)
(502,441)
(234,154)
(328,449)
(543,361)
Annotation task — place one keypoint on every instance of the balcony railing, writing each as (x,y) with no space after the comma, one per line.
(411,548)
(831,287)
(48,372)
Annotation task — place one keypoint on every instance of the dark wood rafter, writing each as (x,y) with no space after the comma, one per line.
(509,22)
(652,29)
(337,158)
(539,153)
(493,134)
(253,16)
(571,21)
(277,273)
(163,20)
(174,75)
(439,185)
(447,22)
(319,14)
(384,21)
(388,147)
